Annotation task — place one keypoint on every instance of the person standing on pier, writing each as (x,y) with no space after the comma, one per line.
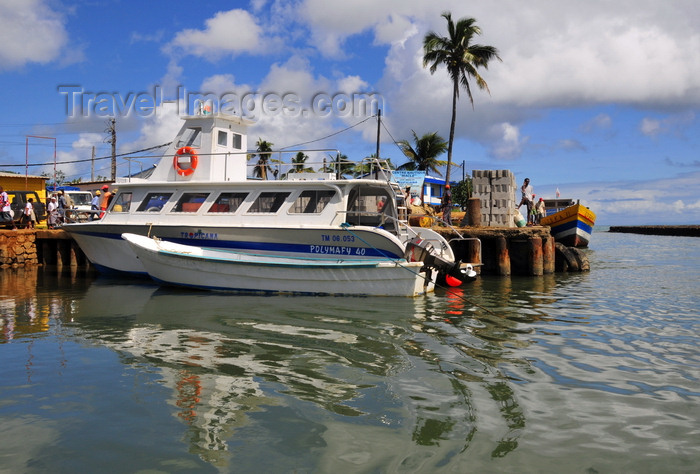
(6,209)
(94,206)
(539,211)
(52,210)
(526,192)
(106,195)
(29,218)
(447,205)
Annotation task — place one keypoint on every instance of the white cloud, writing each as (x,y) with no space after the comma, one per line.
(30,32)
(599,122)
(509,145)
(231,32)
(671,200)
(674,123)
(650,127)
(395,29)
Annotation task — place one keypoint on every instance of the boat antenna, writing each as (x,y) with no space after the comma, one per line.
(379,128)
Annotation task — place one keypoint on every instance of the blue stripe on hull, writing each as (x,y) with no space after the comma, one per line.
(290,248)
(557,228)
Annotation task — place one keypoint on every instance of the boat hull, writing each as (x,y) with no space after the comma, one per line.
(106,250)
(571,226)
(226,270)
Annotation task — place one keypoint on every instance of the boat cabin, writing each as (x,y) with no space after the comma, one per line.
(207,148)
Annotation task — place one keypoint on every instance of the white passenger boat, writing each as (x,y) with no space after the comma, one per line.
(200,194)
(214,269)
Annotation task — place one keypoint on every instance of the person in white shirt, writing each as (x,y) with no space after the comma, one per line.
(6,209)
(52,210)
(526,192)
(29,217)
(539,210)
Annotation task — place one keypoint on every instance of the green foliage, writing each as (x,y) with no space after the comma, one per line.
(262,168)
(60,178)
(341,163)
(423,154)
(462,191)
(299,164)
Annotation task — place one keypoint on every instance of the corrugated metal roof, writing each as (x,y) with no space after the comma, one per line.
(5,174)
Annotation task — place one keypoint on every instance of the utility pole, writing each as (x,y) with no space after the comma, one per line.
(92,165)
(112,131)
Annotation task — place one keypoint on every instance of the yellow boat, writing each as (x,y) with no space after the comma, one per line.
(572,226)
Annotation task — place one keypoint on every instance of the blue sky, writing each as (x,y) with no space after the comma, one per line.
(600,99)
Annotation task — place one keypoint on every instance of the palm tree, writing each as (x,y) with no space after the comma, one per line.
(341,162)
(424,155)
(298,163)
(262,168)
(462,59)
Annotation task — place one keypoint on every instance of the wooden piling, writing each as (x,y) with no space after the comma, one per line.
(535,256)
(474,252)
(548,254)
(502,256)
(474,212)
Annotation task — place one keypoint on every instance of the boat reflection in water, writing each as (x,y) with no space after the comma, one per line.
(247,364)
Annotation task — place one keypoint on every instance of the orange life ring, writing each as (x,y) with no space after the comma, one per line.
(194,159)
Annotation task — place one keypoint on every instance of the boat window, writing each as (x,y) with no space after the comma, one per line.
(121,203)
(268,202)
(370,205)
(222,138)
(312,201)
(228,202)
(190,202)
(154,202)
(237,141)
(190,137)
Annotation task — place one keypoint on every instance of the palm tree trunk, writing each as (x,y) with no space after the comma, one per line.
(455,91)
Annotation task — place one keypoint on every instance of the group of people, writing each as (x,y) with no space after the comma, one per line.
(58,205)
(55,210)
(28,217)
(535,211)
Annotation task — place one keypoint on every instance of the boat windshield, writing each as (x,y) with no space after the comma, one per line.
(373,206)
(190,137)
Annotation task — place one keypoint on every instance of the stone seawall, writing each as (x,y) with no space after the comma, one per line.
(18,248)
(676,230)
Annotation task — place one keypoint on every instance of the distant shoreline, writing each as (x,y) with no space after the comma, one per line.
(676,230)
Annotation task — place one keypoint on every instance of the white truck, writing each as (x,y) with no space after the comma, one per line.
(81,203)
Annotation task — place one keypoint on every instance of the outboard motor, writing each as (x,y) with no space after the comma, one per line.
(418,250)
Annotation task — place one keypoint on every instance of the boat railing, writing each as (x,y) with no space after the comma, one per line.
(280,168)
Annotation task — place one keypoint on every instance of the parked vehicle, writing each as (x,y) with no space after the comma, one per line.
(81,199)
(18,199)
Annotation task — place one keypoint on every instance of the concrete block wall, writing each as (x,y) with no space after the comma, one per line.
(496,190)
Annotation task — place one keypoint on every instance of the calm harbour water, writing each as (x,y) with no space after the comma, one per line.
(594,373)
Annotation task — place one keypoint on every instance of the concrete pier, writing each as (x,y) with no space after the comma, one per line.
(508,251)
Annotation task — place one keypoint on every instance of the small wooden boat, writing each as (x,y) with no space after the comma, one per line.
(572,225)
(217,269)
